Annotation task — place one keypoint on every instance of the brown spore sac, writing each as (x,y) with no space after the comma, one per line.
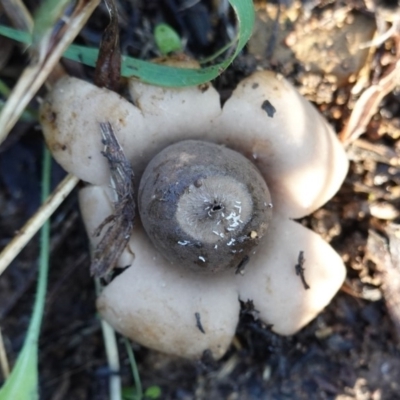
(201,203)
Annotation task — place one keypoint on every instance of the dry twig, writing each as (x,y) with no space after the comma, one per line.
(5,368)
(118,233)
(35,74)
(35,223)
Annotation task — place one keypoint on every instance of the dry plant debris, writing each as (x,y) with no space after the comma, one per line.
(119,225)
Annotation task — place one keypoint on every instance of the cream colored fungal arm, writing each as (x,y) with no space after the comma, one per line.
(162,306)
(277,291)
(293,146)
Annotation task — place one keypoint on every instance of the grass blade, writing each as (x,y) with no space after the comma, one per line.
(162,75)
(23,381)
(135,373)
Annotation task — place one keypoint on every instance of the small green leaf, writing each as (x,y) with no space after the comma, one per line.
(153,393)
(167,39)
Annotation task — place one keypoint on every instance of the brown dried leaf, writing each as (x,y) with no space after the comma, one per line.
(120,224)
(367,105)
(108,65)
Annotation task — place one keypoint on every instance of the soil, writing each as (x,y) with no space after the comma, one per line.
(351,350)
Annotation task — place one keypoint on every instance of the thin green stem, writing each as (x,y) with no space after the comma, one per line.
(217,53)
(44,251)
(38,308)
(22,384)
(135,372)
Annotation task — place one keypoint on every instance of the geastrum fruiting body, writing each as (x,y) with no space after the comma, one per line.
(216,204)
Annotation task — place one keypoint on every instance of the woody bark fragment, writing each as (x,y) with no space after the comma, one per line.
(108,65)
(119,225)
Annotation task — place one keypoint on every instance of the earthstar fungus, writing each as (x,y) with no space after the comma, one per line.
(182,296)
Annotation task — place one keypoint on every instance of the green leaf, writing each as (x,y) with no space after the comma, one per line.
(167,39)
(160,74)
(153,392)
(23,381)
(177,77)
